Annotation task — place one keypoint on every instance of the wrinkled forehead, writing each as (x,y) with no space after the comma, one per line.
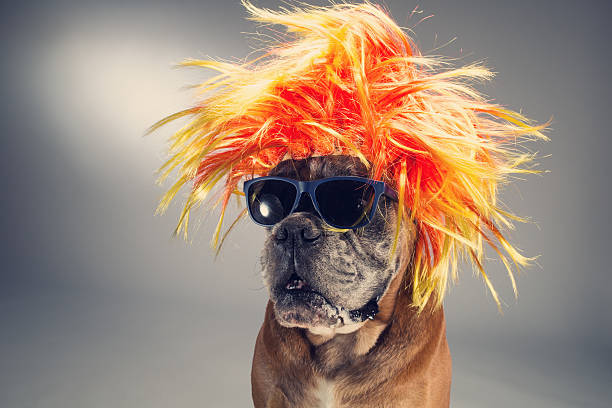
(318,167)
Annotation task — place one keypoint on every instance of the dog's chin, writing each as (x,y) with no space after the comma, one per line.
(305,309)
(308,309)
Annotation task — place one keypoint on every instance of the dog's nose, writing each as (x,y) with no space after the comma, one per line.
(299,227)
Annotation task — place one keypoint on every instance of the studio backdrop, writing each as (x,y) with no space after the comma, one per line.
(100,306)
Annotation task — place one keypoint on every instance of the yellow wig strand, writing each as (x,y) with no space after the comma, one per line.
(348,80)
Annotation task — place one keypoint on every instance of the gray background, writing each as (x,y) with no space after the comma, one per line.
(100,307)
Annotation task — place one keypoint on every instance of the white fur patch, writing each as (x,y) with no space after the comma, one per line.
(325,393)
(332,331)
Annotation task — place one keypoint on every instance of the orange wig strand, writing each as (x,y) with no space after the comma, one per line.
(349,81)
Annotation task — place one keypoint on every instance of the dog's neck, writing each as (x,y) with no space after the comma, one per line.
(337,349)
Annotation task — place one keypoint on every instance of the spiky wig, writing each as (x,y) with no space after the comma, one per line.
(348,80)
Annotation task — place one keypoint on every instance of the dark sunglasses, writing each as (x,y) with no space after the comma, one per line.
(344,202)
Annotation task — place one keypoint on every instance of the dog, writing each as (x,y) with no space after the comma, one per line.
(355,315)
(318,347)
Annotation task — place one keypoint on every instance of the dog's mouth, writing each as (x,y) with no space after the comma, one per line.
(297,304)
(295,282)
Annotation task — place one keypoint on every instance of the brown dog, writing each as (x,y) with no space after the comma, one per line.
(310,352)
(354,320)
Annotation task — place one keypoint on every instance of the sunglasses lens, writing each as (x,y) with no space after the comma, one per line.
(345,203)
(270,200)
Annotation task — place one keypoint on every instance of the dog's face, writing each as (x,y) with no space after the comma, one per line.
(320,278)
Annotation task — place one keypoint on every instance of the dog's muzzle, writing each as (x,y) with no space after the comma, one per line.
(298,291)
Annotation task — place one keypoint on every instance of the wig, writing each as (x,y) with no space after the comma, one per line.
(346,79)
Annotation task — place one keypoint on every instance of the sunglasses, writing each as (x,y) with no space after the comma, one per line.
(343,202)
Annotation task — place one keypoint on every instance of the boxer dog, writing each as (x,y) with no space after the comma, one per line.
(356,268)
(339,328)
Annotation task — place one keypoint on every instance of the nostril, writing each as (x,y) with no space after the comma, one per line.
(298,229)
(310,235)
(281,234)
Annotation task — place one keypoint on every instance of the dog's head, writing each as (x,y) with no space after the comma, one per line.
(319,277)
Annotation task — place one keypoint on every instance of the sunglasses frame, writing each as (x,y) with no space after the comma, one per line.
(310,187)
